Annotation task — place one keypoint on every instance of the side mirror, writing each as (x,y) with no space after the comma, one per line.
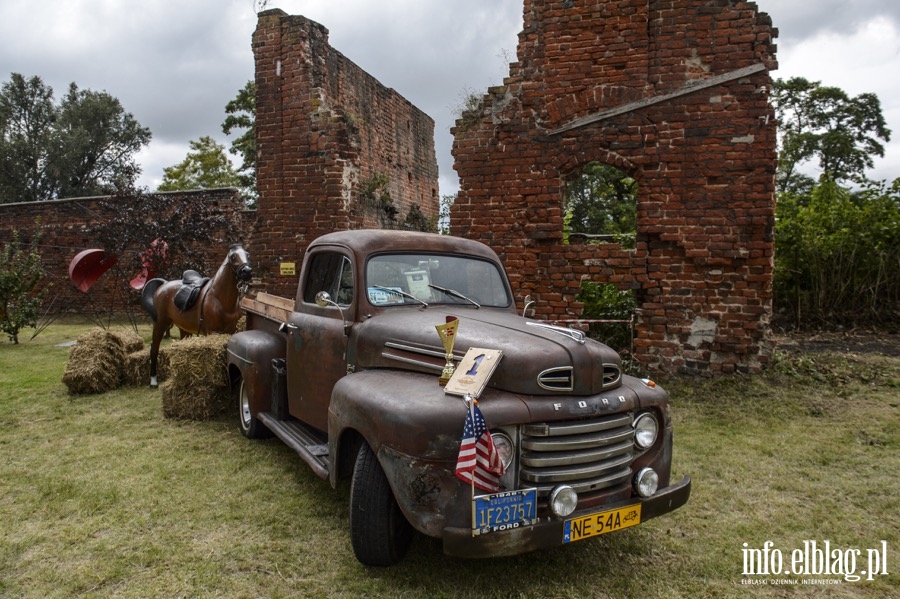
(323,300)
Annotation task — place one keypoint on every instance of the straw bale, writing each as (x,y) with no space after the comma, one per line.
(198,385)
(95,364)
(131,341)
(136,372)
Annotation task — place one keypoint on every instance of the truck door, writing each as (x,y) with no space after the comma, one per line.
(317,345)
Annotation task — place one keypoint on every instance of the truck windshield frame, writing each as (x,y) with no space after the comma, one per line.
(421,275)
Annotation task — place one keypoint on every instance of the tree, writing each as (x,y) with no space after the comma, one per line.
(173,233)
(83,146)
(206,167)
(27,118)
(601,200)
(242,115)
(824,123)
(97,142)
(20,273)
(837,239)
(837,254)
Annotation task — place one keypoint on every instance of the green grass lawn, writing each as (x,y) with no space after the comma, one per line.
(100,496)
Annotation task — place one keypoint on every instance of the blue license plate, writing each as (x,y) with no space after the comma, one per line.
(504,511)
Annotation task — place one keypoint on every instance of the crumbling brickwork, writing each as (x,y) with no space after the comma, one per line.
(335,148)
(674,93)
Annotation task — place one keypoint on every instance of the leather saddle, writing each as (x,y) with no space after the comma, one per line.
(191,284)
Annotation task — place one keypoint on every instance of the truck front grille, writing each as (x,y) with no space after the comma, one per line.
(588,455)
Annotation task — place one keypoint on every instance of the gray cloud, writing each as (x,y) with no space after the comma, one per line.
(175,65)
(798,21)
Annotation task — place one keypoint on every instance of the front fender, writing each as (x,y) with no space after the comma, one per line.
(414,429)
(251,353)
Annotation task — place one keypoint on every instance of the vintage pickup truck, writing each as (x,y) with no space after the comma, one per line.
(347,374)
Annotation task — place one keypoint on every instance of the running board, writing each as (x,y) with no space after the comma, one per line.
(296,436)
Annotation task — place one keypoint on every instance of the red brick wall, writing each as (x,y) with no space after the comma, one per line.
(325,128)
(675,93)
(66,230)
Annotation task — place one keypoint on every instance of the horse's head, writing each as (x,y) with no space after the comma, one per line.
(239,260)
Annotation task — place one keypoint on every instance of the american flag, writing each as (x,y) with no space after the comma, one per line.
(479,462)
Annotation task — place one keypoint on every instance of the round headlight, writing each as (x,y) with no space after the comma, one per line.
(646,482)
(645,430)
(563,500)
(504,447)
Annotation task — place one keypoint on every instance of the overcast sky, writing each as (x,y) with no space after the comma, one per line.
(175,64)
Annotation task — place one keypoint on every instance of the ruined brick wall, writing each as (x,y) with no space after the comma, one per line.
(327,132)
(67,227)
(674,93)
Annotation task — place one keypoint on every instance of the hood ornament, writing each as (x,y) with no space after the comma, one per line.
(570,333)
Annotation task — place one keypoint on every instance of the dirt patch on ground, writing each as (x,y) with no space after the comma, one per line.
(851,341)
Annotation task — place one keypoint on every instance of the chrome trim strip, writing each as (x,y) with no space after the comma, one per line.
(576,427)
(576,442)
(428,365)
(420,350)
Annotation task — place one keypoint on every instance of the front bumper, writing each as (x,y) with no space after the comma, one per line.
(459,542)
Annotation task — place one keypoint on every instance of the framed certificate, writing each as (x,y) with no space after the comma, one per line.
(473,372)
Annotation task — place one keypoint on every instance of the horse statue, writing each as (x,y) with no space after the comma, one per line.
(197,305)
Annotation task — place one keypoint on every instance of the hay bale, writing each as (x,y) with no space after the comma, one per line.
(131,341)
(198,385)
(95,363)
(136,371)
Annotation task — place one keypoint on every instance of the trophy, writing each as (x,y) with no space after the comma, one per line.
(447,332)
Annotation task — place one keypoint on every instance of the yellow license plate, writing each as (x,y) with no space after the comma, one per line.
(601,523)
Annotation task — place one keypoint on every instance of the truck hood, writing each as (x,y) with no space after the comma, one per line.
(537,360)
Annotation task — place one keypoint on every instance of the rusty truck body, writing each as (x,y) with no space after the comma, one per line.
(347,374)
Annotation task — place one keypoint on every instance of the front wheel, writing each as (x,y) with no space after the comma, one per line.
(379,532)
(250,425)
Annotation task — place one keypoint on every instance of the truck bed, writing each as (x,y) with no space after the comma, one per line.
(269,307)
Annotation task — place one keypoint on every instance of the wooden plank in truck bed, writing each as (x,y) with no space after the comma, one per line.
(270,306)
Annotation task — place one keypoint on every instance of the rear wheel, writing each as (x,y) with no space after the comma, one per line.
(379,532)
(250,425)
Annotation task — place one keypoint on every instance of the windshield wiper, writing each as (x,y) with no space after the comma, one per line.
(455,293)
(400,293)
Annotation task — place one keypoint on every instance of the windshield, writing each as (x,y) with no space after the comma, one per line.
(397,279)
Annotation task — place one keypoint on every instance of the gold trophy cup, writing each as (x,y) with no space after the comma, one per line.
(447,332)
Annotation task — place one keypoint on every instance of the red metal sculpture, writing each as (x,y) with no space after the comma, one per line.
(88,266)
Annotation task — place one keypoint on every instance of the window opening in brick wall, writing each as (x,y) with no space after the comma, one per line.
(600,205)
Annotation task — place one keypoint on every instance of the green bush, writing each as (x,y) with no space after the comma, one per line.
(604,301)
(20,272)
(837,254)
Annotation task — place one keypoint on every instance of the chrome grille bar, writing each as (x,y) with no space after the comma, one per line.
(589,455)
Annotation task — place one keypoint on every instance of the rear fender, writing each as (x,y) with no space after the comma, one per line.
(251,353)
